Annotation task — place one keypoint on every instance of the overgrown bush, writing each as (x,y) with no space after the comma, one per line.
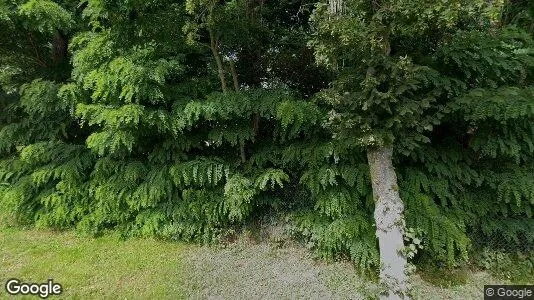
(130,130)
(516,266)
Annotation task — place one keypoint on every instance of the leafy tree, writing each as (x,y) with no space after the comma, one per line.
(41,158)
(393,87)
(159,155)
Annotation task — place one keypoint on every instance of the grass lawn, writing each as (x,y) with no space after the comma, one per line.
(91,268)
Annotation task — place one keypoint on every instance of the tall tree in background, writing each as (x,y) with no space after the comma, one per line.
(232,28)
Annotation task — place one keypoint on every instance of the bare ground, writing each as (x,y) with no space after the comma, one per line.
(265,271)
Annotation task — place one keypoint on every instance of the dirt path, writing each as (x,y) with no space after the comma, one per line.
(263,271)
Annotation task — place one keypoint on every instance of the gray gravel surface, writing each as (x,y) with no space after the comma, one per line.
(265,271)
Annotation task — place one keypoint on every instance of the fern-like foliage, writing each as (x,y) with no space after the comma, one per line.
(200,173)
(128,129)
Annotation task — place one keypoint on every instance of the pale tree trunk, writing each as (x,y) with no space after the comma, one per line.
(389,208)
(389,223)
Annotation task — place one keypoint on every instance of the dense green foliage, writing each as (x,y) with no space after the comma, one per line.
(142,126)
(451,87)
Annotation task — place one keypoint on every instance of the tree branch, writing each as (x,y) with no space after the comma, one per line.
(37,57)
(214,49)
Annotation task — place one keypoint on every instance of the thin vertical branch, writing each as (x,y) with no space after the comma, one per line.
(37,58)
(214,49)
(336,7)
(234,75)
(242,150)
